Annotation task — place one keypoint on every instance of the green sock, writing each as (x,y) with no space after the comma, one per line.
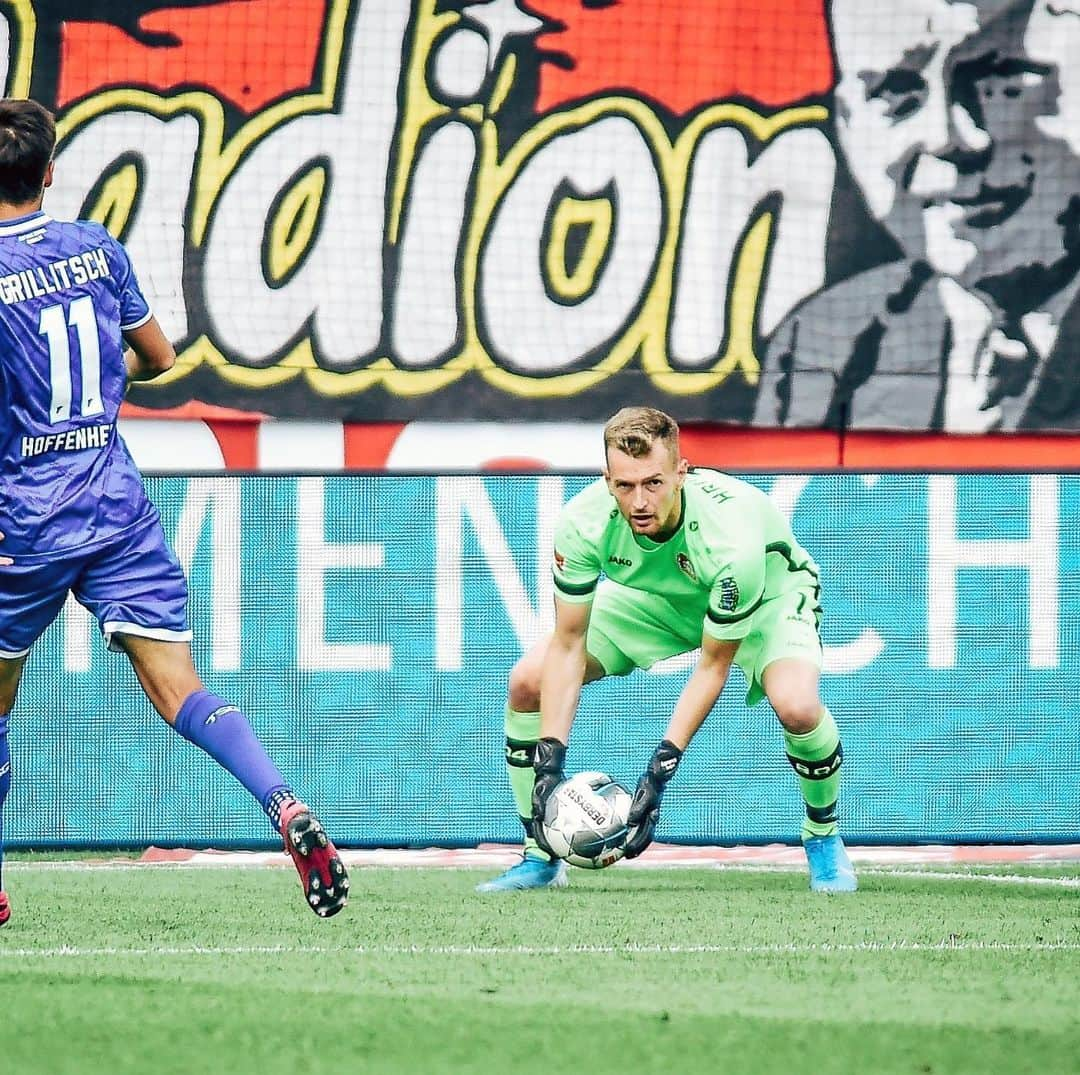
(522,732)
(816,756)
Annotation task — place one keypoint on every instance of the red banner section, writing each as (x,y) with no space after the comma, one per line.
(207,439)
(685,55)
(248,52)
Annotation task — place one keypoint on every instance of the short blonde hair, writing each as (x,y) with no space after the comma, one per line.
(634,430)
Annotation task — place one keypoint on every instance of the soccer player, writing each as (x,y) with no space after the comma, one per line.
(73,512)
(691,558)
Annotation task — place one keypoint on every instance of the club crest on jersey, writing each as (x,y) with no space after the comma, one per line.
(729,595)
(685,566)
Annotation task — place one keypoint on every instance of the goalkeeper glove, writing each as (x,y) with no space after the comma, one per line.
(645,806)
(548,762)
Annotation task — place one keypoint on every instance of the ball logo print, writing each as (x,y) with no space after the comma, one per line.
(585,822)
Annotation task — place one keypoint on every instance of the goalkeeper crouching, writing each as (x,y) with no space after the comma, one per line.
(690,558)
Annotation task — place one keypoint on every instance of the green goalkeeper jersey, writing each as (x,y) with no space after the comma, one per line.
(732,552)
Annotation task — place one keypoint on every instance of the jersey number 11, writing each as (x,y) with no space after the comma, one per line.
(53,325)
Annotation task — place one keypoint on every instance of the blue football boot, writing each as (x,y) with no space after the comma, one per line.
(830,867)
(530,872)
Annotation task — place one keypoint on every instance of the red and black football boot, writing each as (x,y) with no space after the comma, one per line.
(322,873)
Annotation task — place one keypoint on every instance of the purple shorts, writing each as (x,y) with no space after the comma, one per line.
(133,584)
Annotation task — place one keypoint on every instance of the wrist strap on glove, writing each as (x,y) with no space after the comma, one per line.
(664,762)
(550,755)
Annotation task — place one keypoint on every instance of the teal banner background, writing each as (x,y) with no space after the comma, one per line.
(366,624)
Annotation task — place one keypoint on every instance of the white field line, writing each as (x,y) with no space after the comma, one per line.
(733,867)
(998,878)
(951,945)
(669,856)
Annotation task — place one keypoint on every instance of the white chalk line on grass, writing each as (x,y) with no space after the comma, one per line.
(993,878)
(951,945)
(879,871)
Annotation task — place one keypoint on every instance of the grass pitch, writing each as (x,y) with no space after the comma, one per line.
(153,971)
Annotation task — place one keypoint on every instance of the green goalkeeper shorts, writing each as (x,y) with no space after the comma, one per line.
(631,629)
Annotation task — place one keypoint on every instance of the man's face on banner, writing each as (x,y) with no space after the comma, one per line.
(961,124)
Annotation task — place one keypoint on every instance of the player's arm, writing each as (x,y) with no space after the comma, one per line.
(575,574)
(563,673)
(561,678)
(695,703)
(736,594)
(149,352)
(702,690)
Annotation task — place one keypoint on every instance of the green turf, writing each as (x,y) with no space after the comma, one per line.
(187,971)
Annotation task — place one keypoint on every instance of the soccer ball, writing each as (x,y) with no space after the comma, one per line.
(585,820)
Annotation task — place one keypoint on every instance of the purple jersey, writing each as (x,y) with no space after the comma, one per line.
(67,481)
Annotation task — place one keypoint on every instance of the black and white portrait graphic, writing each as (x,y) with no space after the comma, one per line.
(960,128)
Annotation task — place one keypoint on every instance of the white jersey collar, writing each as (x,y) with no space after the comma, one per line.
(30,222)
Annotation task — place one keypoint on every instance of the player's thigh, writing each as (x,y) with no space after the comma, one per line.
(785,629)
(524,684)
(31,596)
(165,670)
(10,675)
(630,629)
(792,685)
(135,586)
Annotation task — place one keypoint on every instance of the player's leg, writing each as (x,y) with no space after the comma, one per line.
(812,743)
(536,869)
(138,593)
(788,671)
(10,674)
(31,596)
(811,740)
(167,675)
(782,659)
(627,629)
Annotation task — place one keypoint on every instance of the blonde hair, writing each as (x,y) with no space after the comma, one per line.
(634,430)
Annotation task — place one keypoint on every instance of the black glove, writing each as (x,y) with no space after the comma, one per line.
(645,807)
(548,762)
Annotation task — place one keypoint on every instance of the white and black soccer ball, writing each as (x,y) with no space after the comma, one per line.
(585,820)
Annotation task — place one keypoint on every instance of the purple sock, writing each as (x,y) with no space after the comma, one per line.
(5,784)
(219,728)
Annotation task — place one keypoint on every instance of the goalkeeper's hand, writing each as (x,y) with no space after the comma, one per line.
(645,806)
(548,762)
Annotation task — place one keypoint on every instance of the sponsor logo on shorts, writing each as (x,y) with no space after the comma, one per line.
(729,595)
(560,560)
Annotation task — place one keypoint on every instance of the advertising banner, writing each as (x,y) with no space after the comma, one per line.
(367,625)
(783,214)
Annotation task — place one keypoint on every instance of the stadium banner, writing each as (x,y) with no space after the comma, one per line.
(780,214)
(367,625)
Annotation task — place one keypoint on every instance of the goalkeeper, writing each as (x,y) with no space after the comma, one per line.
(690,558)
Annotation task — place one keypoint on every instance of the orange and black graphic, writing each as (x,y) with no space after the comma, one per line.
(784,213)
